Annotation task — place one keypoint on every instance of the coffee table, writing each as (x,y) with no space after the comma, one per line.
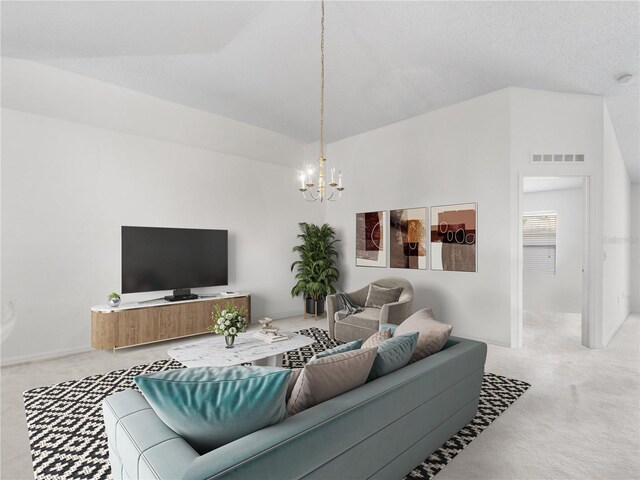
(212,352)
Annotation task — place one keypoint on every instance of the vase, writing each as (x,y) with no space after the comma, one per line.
(229,339)
(113,302)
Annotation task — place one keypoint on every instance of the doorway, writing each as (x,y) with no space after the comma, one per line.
(553,240)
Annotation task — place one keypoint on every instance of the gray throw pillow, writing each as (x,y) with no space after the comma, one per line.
(433,334)
(379,296)
(329,377)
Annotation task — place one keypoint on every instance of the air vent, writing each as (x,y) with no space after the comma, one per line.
(557,158)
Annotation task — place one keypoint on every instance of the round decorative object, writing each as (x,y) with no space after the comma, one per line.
(265,322)
(113,302)
(229,339)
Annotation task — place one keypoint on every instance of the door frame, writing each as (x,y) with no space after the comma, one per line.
(589,321)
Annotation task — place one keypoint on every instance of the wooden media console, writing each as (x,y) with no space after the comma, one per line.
(140,323)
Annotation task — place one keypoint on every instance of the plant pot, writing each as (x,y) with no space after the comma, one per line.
(113,302)
(229,339)
(314,306)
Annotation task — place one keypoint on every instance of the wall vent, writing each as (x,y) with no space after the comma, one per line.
(550,158)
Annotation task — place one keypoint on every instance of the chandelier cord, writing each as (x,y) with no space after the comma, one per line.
(322,82)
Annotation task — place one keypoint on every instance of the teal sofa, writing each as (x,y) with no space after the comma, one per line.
(380,430)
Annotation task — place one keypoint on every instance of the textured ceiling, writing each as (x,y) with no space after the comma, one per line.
(257,62)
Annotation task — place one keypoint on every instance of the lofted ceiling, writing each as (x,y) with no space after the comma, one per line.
(257,62)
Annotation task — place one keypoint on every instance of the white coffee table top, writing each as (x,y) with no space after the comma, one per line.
(211,352)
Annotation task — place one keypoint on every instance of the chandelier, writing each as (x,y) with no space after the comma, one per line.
(307,184)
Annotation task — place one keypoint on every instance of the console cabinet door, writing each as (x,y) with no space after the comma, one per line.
(152,324)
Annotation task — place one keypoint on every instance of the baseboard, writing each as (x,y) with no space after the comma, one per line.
(45,356)
(281,315)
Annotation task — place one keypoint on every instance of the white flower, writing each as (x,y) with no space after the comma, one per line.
(233,331)
(227,323)
(223,313)
(220,321)
(229,316)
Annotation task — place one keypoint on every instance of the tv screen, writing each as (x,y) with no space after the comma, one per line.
(172,258)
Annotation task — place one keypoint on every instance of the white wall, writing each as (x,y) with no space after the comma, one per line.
(68,187)
(44,90)
(452,155)
(616,297)
(635,247)
(561,292)
(551,122)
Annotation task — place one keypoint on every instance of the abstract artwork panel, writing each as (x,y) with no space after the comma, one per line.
(370,244)
(408,238)
(453,237)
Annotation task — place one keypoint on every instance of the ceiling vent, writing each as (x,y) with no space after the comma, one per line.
(550,158)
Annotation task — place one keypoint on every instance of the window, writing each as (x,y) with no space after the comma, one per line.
(539,243)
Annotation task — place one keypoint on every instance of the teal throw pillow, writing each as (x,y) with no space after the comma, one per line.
(212,406)
(345,347)
(393,354)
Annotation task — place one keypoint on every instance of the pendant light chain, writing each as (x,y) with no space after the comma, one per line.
(322,82)
(326,189)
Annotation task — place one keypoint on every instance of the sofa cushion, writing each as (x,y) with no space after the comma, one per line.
(345,347)
(327,377)
(379,296)
(377,338)
(433,334)
(212,406)
(393,354)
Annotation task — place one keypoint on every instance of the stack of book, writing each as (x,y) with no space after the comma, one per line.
(270,337)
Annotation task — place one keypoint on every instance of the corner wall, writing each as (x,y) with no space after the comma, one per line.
(635,247)
(67,187)
(552,122)
(616,296)
(453,155)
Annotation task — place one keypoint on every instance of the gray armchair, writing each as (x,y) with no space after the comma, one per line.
(366,323)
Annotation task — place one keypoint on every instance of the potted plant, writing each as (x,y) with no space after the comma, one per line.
(229,322)
(316,268)
(113,299)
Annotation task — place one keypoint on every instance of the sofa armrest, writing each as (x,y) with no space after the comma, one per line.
(140,444)
(332,306)
(396,312)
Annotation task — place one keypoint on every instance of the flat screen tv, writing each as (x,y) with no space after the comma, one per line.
(173,259)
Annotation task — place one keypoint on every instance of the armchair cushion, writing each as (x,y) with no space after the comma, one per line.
(378,296)
(368,318)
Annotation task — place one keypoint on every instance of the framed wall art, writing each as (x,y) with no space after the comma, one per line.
(408,238)
(370,242)
(453,237)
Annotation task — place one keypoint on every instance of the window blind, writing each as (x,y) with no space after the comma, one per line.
(539,243)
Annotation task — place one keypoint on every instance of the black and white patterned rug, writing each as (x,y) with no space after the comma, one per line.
(68,440)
